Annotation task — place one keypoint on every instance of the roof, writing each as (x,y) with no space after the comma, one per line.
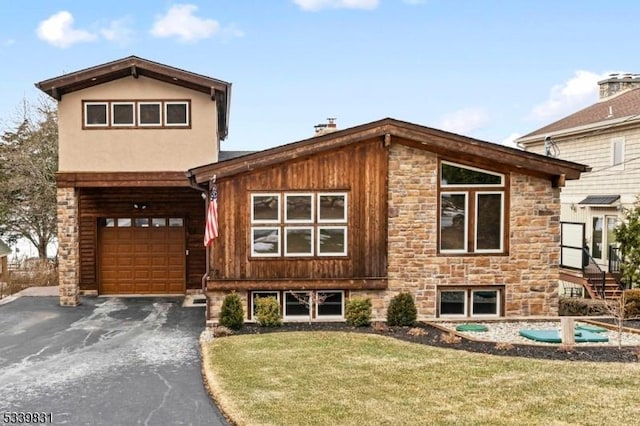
(600,200)
(4,249)
(228,155)
(220,91)
(615,110)
(390,130)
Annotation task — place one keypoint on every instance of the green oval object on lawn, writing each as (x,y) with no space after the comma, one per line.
(591,328)
(471,327)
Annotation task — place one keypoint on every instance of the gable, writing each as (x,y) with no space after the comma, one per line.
(389,131)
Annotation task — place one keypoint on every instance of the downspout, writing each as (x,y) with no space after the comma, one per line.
(205,195)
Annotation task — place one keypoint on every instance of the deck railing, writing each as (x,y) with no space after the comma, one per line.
(614,260)
(592,272)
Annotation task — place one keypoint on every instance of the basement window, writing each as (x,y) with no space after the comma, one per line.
(469,302)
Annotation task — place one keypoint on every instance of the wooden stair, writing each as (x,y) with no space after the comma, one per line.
(611,287)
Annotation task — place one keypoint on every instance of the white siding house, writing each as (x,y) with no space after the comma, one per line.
(606,137)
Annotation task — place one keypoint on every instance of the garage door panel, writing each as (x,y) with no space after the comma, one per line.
(142,260)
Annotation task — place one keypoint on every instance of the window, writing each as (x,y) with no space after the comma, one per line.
(305,224)
(158,222)
(617,152)
(255,295)
(265,242)
(472,210)
(330,304)
(467,302)
(298,241)
(138,114)
(95,114)
(296,304)
(124,222)
(122,114)
(149,113)
(176,222)
(176,113)
(141,222)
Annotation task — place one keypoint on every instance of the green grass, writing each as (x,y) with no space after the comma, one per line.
(328,378)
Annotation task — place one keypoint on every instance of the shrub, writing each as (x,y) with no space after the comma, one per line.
(632,303)
(268,312)
(358,312)
(231,313)
(402,310)
(573,306)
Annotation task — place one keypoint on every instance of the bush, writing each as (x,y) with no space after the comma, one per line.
(358,312)
(573,306)
(231,314)
(402,310)
(268,312)
(632,303)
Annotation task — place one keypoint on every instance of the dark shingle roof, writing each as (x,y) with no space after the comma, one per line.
(228,155)
(626,104)
(602,200)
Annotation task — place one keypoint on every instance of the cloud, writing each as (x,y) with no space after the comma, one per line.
(180,21)
(464,121)
(315,5)
(119,31)
(577,92)
(510,140)
(58,31)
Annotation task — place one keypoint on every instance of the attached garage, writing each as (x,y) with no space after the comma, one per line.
(140,240)
(143,255)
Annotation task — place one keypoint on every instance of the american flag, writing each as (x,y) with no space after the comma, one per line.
(211,226)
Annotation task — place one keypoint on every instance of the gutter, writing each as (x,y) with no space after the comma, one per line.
(205,195)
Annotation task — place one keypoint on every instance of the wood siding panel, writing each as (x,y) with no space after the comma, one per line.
(359,169)
(98,203)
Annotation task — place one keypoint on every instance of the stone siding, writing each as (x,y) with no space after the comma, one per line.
(68,247)
(529,273)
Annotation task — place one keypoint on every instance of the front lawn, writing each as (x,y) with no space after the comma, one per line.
(324,378)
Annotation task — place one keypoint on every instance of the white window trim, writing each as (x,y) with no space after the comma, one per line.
(346,241)
(133,112)
(187,116)
(106,107)
(266,228)
(301,194)
(465,249)
(160,110)
(286,241)
(620,165)
(333,194)
(498,307)
(253,299)
(468,185)
(466,303)
(285,316)
(330,317)
(265,194)
(501,249)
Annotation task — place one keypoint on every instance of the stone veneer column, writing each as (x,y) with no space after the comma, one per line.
(68,247)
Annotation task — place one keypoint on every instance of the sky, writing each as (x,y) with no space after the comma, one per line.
(492,70)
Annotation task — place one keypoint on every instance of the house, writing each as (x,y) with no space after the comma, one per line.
(469,228)
(128,221)
(606,136)
(5,251)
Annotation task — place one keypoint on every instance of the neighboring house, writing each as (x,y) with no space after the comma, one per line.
(5,251)
(469,228)
(128,222)
(606,136)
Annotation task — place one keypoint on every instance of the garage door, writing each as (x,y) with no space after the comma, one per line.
(142,255)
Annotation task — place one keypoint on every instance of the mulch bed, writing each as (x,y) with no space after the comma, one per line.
(433,336)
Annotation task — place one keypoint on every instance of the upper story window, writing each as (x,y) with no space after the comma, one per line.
(472,210)
(136,114)
(299,224)
(617,152)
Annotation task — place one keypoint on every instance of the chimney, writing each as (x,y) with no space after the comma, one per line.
(618,83)
(324,128)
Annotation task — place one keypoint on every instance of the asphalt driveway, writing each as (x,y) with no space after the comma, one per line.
(109,361)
